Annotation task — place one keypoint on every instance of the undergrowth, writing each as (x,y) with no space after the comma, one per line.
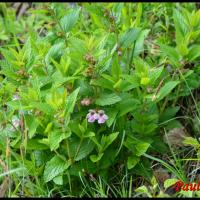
(99,99)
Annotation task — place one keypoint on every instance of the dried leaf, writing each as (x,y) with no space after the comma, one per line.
(161,175)
(4,187)
(175,137)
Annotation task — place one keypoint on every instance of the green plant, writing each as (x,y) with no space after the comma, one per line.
(88,89)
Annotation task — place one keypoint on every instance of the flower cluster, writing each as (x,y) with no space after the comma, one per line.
(86,102)
(100,116)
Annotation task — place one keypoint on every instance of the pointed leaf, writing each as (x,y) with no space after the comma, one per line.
(71,100)
(55,137)
(54,167)
(70,19)
(107,99)
(166,89)
(96,158)
(171,53)
(132,161)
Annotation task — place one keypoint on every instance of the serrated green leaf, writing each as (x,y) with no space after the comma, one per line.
(71,100)
(54,167)
(102,82)
(180,22)
(55,137)
(80,149)
(108,140)
(139,44)
(183,48)
(171,53)
(44,107)
(31,124)
(107,99)
(142,68)
(33,144)
(129,37)
(127,105)
(166,89)
(54,52)
(16,105)
(155,73)
(169,113)
(70,19)
(194,52)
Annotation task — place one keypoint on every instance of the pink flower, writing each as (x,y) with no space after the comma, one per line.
(102,117)
(92,116)
(86,102)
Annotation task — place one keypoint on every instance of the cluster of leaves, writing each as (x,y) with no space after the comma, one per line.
(58,54)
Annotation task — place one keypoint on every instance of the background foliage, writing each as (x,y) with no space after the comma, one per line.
(139,62)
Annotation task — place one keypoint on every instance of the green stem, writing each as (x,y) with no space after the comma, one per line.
(177,92)
(128,55)
(164,105)
(131,59)
(68,151)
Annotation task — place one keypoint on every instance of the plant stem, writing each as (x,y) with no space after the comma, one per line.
(131,59)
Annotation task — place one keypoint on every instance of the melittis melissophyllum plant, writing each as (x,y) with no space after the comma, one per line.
(83,97)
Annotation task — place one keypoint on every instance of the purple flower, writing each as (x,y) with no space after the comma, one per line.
(92,116)
(102,117)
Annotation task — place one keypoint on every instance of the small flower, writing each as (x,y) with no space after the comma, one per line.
(86,102)
(92,116)
(102,117)
(15,97)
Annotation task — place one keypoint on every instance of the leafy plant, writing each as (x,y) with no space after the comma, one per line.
(87,90)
